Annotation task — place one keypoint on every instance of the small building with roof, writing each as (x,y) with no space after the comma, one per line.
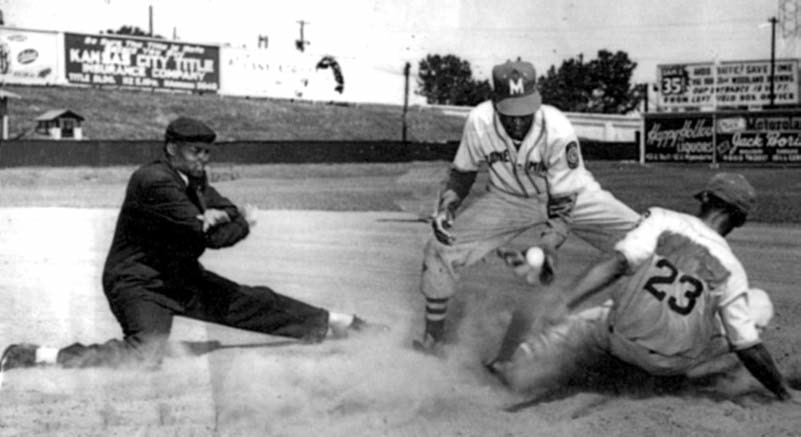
(58,124)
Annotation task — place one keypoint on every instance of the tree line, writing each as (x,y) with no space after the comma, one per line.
(600,85)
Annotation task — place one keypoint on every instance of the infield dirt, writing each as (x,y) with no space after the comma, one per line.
(362,386)
(366,385)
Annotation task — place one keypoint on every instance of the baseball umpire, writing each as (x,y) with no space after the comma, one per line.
(680,304)
(169,217)
(537,179)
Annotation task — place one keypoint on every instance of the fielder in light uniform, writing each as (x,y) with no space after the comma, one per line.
(536,179)
(684,303)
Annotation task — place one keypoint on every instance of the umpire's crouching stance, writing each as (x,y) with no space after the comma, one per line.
(170,215)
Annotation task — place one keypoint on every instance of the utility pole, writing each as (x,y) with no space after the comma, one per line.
(773,21)
(301,43)
(406,69)
(150,20)
(644,87)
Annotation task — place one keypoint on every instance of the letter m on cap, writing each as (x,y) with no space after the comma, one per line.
(516,86)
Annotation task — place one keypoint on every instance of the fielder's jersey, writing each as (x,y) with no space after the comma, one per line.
(686,290)
(548,161)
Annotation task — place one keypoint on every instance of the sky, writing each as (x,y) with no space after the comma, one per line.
(389,33)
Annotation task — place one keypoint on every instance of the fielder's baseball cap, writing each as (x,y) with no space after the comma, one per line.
(733,189)
(189,130)
(514,88)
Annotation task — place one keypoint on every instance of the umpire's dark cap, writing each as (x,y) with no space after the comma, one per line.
(189,130)
(733,189)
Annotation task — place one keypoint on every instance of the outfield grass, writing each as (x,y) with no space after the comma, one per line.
(392,187)
(672,186)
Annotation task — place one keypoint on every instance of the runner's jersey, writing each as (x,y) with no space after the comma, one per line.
(685,289)
(548,161)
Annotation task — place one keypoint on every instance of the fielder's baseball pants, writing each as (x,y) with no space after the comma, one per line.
(496,218)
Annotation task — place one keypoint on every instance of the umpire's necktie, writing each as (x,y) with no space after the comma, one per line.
(196,195)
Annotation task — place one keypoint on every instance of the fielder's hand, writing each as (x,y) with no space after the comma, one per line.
(213,217)
(442,223)
(517,261)
(548,272)
(561,207)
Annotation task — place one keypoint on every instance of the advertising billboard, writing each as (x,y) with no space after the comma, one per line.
(685,138)
(141,63)
(747,137)
(262,73)
(29,57)
(759,137)
(727,84)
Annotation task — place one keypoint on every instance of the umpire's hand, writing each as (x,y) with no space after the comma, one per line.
(249,213)
(213,217)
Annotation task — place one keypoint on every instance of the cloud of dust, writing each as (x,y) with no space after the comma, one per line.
(364,382)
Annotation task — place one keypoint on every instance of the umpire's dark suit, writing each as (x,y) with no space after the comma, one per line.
(152,273)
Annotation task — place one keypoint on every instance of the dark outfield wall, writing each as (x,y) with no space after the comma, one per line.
(99,153)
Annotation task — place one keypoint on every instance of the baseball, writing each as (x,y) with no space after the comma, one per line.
(535,257)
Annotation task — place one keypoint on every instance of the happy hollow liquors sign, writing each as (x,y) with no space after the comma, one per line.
(674,138)
(767,137)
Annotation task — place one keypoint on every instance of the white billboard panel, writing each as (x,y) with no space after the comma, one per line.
(30,57)
(262,73)
(727,84)
(309,76)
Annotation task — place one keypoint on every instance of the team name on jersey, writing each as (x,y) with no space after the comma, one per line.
(498,157)
(537,168)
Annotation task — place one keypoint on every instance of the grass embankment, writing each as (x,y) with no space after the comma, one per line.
(133,115)
(392,187)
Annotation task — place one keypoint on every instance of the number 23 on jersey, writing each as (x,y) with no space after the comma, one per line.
(681,290)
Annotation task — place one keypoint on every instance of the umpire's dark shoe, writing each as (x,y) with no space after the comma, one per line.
(18,355)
